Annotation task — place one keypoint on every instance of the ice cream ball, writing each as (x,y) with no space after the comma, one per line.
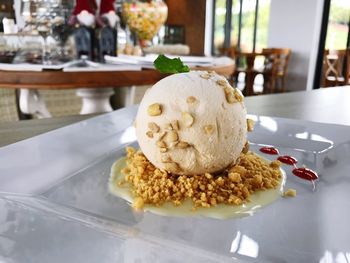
(192,123)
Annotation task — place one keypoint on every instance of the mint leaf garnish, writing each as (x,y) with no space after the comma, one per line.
(168,65)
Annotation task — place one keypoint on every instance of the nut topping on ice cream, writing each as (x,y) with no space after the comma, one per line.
(155,109)
(191,99)
(187,119)
(209,129)
(153,127)
(192,123)
(250,125)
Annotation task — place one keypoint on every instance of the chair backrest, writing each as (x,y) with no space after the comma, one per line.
(277,59)
(334,66)
(8,105)
(230,52)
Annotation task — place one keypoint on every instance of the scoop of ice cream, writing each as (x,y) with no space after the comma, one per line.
(192,123)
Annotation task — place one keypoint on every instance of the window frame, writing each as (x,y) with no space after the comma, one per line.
(322,43)
(228,25)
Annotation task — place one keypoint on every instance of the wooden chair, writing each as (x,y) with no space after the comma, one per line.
(335,71)
(230,52)
(8,105)
(275,69)
(244,64)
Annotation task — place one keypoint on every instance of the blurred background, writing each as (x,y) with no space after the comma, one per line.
(276,46)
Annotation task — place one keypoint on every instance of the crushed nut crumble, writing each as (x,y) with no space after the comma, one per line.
(290,193)
(233,186)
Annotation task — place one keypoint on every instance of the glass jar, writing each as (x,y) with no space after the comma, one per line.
(144,17)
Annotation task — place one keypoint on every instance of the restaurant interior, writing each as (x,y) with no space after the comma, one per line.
(271,49)
(74,72)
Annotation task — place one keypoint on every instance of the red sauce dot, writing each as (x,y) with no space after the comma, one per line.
(287,160)
(269,150)
(305,173)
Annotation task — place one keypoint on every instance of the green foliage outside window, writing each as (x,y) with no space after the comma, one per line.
(248,16)
(337,31)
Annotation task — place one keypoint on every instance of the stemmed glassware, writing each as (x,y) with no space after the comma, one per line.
(61,32)
(40,16)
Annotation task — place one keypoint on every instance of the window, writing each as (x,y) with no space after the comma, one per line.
(219,24)
(246,27)
(338,25)
(334,37)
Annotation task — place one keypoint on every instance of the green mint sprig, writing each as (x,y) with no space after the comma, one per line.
(167,65)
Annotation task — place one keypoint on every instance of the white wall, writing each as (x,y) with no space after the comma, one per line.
(296,24)
(19,18)
(208,27)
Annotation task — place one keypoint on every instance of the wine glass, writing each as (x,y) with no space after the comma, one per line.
(61,32)
(39,16)
(44,29)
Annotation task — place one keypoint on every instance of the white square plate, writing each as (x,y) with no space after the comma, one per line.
(56,184)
